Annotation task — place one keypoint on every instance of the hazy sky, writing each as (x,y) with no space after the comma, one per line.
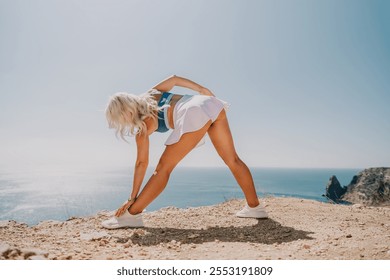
(308,81)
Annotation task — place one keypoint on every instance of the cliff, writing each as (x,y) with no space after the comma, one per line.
(296,229)
(370,187)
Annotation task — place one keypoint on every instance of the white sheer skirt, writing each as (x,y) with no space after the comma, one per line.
(192,112)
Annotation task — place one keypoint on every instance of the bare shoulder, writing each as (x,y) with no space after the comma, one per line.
(141,139)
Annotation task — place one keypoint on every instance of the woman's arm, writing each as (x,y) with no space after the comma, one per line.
(141,164)
(169,83)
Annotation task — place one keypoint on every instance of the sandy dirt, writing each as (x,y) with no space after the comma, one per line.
(296,229)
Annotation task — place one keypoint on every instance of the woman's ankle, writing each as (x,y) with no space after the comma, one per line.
(133,211)
(253,204)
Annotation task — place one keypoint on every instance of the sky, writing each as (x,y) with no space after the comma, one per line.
(308,81)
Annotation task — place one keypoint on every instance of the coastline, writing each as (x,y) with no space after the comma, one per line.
(32,196)
(296,229)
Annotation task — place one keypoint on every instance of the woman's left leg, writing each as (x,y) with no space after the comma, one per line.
(172,155)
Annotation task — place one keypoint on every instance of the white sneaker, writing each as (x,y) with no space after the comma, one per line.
(257,212)
(124,221)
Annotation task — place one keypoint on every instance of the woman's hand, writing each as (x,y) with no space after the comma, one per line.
(205,91)
(126,205)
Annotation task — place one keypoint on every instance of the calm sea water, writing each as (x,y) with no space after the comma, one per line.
(33,196)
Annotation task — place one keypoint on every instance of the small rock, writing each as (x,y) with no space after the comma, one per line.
(306,246)
(4,224)
(122,240)
(13,254)
(96,235)
(140,231)
(127,245)
(4,249)
(48,224)
(33,252)
(349,236)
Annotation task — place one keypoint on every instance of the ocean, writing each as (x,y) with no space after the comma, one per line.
(32,196)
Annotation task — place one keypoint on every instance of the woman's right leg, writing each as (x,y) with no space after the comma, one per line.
(222,139)
(172,155)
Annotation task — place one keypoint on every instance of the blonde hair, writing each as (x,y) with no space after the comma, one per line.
(126,112)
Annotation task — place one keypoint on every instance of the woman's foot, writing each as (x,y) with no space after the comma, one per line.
(124,221)
(257,212)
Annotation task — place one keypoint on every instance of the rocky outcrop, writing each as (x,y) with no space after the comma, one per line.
(371,187)
(334,191)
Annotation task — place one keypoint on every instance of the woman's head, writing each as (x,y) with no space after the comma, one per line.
(126,112)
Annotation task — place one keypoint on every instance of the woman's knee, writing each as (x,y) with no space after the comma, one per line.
(232,161)
(163,168)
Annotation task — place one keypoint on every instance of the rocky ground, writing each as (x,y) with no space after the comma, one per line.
(296,229)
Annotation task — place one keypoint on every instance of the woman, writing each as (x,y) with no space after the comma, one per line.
(190,117)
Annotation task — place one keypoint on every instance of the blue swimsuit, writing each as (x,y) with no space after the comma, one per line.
(163,123)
